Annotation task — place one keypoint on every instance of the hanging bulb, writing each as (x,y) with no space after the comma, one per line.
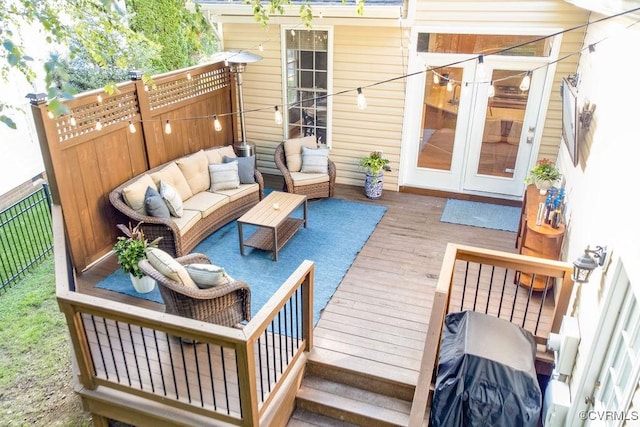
(167,128)
(320,15)
(526,81)
(492,90)
(188,76)
(260,47)
(50,114)
(72,121)
(362,101)
(481,70)
(293,32)
(98,125)
(99,98)
(278,115)
(436,78)
(226,62)
(132,128)
(216,124)
(146,88)
(449,85)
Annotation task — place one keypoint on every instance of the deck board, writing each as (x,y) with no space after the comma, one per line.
(377,320)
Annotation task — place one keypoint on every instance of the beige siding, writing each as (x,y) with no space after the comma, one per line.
(516,15)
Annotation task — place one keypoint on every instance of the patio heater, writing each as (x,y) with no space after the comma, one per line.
(238,61)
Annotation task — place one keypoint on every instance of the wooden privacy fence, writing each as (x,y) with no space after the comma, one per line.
(134,364)
(106,140)
(498,284)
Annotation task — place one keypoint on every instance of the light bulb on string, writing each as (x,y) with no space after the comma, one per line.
(492,90)
(72,121)
(481,70)
(362,101)
(188,76)
(293,32)
(99,98)
(261,47)
(216,124)
(436,78)
(132,127)
(320,15)
(449,85)
(167,128)
(98,125)
(526,82)
(278,115)
(50,114)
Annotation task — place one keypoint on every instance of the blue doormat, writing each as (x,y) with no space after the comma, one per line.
(477,214)
(336,232)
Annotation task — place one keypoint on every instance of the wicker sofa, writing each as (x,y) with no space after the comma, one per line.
(206,205)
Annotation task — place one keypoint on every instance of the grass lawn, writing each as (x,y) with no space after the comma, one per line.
(36,386)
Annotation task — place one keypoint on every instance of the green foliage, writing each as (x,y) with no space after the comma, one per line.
(374,162)
(544,170)
(262,11)
(131,248)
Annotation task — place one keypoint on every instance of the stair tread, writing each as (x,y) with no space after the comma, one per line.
(303,418)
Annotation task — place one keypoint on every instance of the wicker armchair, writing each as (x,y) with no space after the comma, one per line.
(225,305)
(312,189)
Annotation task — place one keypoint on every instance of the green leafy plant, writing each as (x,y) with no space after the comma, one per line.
(374,162)
(544,170)
(131,248)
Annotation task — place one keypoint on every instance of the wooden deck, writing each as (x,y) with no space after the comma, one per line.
(376,321)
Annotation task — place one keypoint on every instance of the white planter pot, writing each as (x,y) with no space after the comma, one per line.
(543,186)
(142,285)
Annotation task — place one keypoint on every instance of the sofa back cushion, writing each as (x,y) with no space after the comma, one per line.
(216,155)
(171,174)
(293,151)
(133,194)
(195,170)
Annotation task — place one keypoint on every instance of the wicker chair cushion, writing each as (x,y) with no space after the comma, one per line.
(195,170)
(301,178)
(293,151)
(216,155)
(171,174)
(224,176)
(246,165)
(169,267)
(208,275)
(171,198)
(154,204)
(134,194)
(315,160)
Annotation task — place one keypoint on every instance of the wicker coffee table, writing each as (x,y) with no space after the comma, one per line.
(272,217)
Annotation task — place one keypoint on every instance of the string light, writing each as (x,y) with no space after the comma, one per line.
(492,90)
(481,70)
(167,128)
(188,76)
(320,15)
(526,82)
(72,121)
(362,101)
(216,124)
(436,78)
(50,114)
(98,125)
(99,98)
(293,32)
(132,128)
(449,85)
(278,115)
(261,47)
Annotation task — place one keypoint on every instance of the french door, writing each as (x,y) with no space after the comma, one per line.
(467,140)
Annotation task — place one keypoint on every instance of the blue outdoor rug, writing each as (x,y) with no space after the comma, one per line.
(336,232)
(484,215)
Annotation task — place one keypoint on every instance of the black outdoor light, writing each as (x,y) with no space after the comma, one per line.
(583,266)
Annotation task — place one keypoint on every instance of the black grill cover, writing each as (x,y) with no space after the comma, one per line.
(486,374)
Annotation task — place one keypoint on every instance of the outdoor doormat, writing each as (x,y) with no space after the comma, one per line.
(477,214)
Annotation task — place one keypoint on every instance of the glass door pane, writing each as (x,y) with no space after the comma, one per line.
(440,117)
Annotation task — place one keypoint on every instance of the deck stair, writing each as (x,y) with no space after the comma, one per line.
(331,395)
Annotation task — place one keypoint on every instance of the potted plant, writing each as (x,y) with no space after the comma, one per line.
(374,165)
(544,175)
(130,249)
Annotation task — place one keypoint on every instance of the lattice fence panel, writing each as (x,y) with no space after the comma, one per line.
(176,91)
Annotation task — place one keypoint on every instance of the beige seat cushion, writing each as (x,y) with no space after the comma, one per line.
(301,178)
(195,170)
(216,155)
(206,202)
(167,265)
(188,219)
(293,151)
(172,175)
(133,194)
(236,193)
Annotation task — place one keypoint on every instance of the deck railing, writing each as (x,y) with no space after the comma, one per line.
(498,284)
(133,363)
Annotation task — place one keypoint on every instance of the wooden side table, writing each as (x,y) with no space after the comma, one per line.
(541,241)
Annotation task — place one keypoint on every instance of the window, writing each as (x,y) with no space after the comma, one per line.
(484,43)
(307,80)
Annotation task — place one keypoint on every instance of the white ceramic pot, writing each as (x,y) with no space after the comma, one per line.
(142,285)
(543,186)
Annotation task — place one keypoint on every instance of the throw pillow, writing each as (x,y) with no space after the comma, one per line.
(133,194)
(293,151)
(172,199)
(224,176)
(168,266)
(154,204)
(315,160)
(246,166)
(208,275)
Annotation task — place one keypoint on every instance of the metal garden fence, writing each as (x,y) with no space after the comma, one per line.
(25,236)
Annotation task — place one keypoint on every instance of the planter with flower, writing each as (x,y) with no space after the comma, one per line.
(544,175)
(374,165)
(130,249)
